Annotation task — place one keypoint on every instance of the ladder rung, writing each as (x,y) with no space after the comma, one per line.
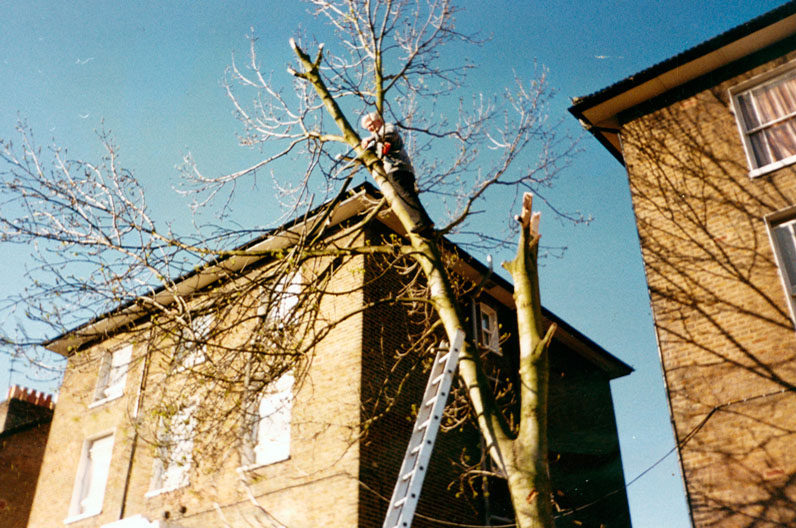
(444,358)
(431,402)
(417,448)
(424,425)
(399,503)
(407,476)
(436,380)
(417,437)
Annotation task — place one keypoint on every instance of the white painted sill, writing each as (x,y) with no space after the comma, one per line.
(103,401)
(771,167)
(154,493)
(254,467)
(81,516)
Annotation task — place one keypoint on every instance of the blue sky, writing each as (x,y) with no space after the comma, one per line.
(150,72)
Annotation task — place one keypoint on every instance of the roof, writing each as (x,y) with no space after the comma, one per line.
(357,201)
(599,111)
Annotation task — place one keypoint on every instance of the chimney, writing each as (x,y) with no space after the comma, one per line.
(31,396)
(24,406)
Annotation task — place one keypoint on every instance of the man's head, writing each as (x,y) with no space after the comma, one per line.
(372,121)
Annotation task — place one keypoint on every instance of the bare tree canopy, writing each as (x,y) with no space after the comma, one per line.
(99,255)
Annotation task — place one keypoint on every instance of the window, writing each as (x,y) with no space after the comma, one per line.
(113,374)
(92,474)
(766,113)
(269,435)
(192,348)
(488,326)
(175,451)
(283,299)
(783,237)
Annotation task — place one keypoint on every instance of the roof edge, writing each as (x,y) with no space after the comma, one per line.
(746,29)
(599,112)
(114,321)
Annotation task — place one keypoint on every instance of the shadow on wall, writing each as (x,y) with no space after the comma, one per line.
(725,330)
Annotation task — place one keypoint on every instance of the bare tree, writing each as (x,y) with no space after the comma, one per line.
(99,254)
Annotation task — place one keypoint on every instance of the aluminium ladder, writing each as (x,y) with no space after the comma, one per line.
(413,468)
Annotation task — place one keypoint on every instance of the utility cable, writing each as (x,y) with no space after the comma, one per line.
(691,434)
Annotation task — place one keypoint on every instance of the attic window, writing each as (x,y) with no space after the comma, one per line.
(488,328)
(766,112)
(192,347)
(113,374)
(280,303)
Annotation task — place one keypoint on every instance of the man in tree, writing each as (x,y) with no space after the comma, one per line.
(389,147)
(390,59)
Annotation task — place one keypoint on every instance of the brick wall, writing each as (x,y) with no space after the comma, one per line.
(394,377)
(585,461)
(317,485)
(73,422)
(340,472)
(26,417)
(23,406)
(726,339)
(586,465)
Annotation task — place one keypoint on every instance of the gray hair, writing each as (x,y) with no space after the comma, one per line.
(369,117)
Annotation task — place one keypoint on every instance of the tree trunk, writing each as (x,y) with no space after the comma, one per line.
(523,459)
(528,473)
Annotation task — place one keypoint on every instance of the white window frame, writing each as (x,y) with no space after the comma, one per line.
(112,376)
(268,433)
(188,353)
(785,256)
(174,454)
(91,478)
(773,76)
(489,336)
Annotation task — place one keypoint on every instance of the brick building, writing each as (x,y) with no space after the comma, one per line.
(708,139)
(25,418)
(314,457)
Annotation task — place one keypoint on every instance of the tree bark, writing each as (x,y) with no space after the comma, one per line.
(528,472)
(522,458)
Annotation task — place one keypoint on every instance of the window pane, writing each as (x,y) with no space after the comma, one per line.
(787,251)
(192,348)
(782,140)
(489,328)
(282,300)
(767,115)
(273,429)
(175,453)
(290,296)
(748,111)
(120,360)
(485,322)
(102,378)
(759,149)
(113,373)
(776,100)
(95,475)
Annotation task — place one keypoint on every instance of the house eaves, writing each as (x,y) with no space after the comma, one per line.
(359,200)
(109,323)
(599,112)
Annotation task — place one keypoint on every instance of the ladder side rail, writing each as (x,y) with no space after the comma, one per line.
(424,457)
(418,453)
